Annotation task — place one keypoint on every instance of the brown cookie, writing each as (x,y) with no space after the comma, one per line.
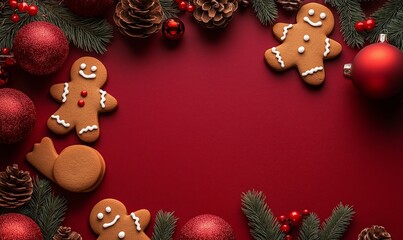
(305,44)
(109,219)
(82,99)
(78,168)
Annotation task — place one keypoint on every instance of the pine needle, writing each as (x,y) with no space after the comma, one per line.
(165,224)
(169,9)
(42,189)
(52,215)
(335,226)
(389,20)
(310,228)
(263,225)
(266,11)
(350,12)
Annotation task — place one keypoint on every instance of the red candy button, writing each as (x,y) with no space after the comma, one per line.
(84,93)
(81,103)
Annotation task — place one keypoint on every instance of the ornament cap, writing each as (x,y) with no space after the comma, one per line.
(347,69)
(383,37)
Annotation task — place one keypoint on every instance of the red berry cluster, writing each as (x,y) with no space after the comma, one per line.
(294,220)
(185,5)
(367,25)
(21,7)
(8,58)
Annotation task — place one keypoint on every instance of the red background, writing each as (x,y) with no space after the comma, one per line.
(202,120)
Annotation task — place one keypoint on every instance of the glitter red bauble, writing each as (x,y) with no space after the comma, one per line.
(40,48)
(377,70)
(206,227)
(18,116)
(88,8)
(15,226)
(173,28)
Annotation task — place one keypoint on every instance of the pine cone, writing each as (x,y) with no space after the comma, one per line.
(244,3)
(374,233)
(15,187)
(138,18)
(214,13)
(65,233)
(290,5)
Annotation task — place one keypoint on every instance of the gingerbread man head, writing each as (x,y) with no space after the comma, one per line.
(90,71)
(110,220)
(316,16)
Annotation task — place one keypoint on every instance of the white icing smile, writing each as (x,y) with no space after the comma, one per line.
(313,24)
(110,224)
(87,76)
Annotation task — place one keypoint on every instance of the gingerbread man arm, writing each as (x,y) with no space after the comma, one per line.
(332,48)
(60,91)
(107,102)
(280,30)
(141,217)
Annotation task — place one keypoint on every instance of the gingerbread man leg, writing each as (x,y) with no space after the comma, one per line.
(88,129)
(312,74)
(60,123)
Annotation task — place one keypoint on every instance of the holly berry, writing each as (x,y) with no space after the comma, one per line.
(15,18)
(23,7)
(295,217)
(369,24)
(359,26)
(282,218)
(285,228)
(182,5)
(5,51)
(13,3)
(305,212)
(10,61)
(32,10)
(288,237)
(190,8)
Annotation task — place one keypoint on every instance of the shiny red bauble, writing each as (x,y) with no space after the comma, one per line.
(173,28)
(15,226)
(40,48)
(295,218)
(285,228)
(18,116)
(377,71)
(359,26)
(369,24)
(89,8)
(206,227)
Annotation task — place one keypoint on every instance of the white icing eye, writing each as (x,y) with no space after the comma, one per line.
(301,49)
(83,66)
(93,68)
(100,216)
(306,38)
(108,209)
(322,15)
(121,235)
(311,12)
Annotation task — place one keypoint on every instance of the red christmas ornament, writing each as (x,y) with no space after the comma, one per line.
(15,226)
(89,8)
(369,24)
(17,118)
(295,218)
(285,228)
(359,26)
(173,28)
(4,76)
(206,227)
(182,5)
(40,48)
(377,70)
(282,218)
(15,18)
(32,10)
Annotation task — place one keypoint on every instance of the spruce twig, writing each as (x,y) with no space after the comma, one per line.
(266,11)
(263,225)
(350,12)
(42,189)
(335,226)
(52,215)
(389,20)
(310,228)
(165,224)
(169,9)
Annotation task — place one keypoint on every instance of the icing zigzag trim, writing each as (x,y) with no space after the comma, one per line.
(312,71)
(285,31)
(60,121)
(327,47)
(65,92)
(103,99)
(88,128)
(136,221)
(279,59)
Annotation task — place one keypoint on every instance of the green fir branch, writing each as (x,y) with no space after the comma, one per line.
(263,225)
(52,215)
(266,11)
(169,9)
(350,12)
(310,228)
(165,224)
(389,20)
(89,34)
(42,189)
(336,225)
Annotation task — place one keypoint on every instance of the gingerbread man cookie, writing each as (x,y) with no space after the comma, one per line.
(109,220)
(305,44)
(82,99)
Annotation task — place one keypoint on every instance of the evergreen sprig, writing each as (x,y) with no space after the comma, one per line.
(350,12)
(335,226)
(310,228)
(263,225)
(169,9)
(389,20)
(165,224)
(89,34)
(266,11)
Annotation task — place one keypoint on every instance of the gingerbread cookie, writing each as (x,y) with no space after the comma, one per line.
(109,220)
(82,99)
(305,44)
(78,168)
